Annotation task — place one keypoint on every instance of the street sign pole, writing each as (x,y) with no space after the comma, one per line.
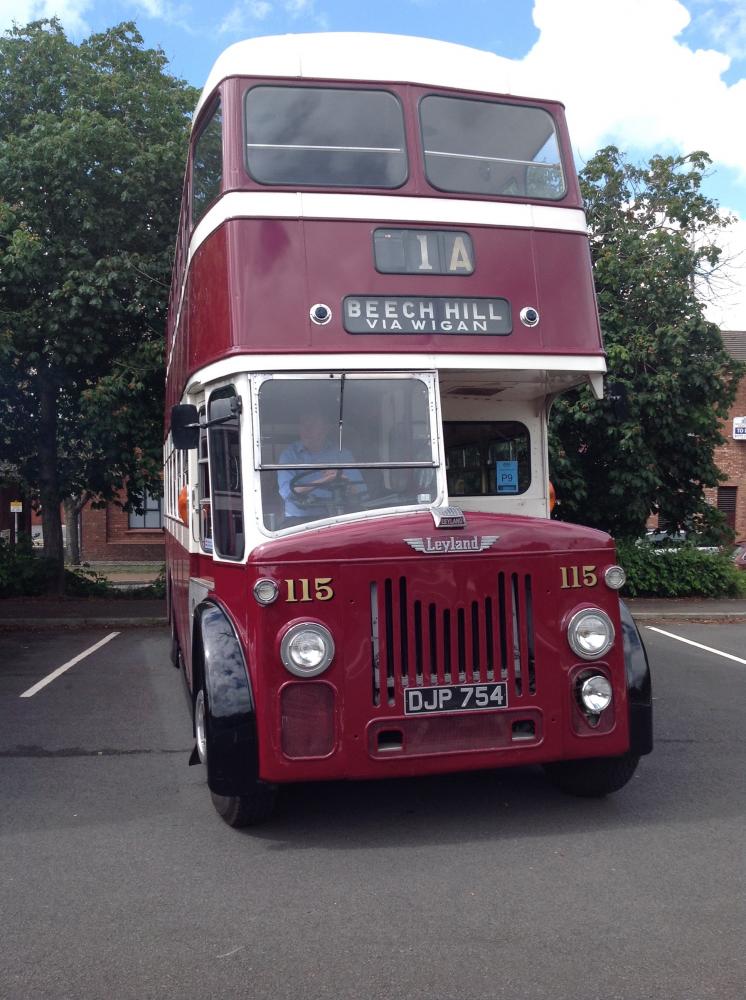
(16,508)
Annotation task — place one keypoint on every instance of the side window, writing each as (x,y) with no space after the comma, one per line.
(225,474)
(207,165)
(487,458)
(203,488)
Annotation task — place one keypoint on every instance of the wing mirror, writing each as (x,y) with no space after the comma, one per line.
(185,426)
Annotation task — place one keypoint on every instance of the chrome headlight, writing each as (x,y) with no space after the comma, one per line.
(590,633)
(307,649)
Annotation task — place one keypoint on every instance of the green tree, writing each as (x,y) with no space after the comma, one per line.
(653,238)
(92,147)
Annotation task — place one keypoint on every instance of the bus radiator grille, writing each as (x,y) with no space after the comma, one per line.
(420,642)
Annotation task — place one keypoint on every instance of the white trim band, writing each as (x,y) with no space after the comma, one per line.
(383,362)
(384,208)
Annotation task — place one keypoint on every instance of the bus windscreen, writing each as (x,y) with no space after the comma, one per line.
(336,444)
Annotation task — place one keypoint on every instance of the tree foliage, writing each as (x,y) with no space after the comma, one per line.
(92,147)
(653,237)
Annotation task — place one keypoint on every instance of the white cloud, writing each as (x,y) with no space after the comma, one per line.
(625,77)
(70,13)
(240,17)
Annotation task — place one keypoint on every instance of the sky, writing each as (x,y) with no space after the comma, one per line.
(650,76)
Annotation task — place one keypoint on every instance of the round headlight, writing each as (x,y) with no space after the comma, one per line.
(595,694)
(615,577)
(590,633)
(266,591)
(307,649)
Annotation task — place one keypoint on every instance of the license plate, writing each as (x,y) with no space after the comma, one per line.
(455,698)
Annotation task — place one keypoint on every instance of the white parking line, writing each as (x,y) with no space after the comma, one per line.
(66,666)
(690,642)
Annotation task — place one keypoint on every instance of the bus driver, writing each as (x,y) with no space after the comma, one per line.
(315,493)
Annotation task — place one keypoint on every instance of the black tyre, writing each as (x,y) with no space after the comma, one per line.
(246,810)
(592,778)
(249,809)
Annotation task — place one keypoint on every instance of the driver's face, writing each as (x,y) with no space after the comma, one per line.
(313,431)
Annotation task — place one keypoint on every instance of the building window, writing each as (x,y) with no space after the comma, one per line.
(151,513)
(726,503)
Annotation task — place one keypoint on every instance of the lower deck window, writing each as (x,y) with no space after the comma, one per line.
(487,458)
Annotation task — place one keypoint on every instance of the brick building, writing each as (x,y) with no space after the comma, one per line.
(110,534)
(730,496)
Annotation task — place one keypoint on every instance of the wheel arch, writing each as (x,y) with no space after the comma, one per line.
(219,664)
(639,685)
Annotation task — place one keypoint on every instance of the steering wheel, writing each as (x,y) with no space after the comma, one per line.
(338,486)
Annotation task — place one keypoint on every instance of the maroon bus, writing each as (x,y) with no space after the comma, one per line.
(382,280)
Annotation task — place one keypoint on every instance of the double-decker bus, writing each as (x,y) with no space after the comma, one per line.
(382,280)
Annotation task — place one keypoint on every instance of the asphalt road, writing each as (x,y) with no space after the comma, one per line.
(119,880)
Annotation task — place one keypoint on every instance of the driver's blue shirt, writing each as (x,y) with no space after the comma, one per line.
(297,454)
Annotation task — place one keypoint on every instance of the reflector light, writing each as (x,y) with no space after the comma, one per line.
(615,577)
(265,591)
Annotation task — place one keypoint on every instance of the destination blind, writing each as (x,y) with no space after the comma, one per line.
(398,314)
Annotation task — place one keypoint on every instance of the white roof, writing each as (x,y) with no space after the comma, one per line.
(359,56)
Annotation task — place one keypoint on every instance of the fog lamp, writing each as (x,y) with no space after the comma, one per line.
(307,649)
(595,694)
(590,633)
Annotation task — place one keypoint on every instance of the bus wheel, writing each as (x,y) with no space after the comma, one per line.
(248,809)
(594,777)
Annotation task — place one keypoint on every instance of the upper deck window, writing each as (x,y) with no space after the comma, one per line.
(325,137)
(481,147)
(207,165)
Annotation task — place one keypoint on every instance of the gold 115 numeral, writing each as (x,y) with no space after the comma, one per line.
(578,576)
(322,590)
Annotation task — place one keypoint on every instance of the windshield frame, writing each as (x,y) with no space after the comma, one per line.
(430,380)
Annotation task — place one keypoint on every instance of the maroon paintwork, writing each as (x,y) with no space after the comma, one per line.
(356,555)
(252,281)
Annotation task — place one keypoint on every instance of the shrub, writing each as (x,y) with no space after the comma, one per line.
(683,571)
(82,581)
(23,572)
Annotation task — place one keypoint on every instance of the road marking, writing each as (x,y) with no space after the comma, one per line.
(691,642)
(66,666)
